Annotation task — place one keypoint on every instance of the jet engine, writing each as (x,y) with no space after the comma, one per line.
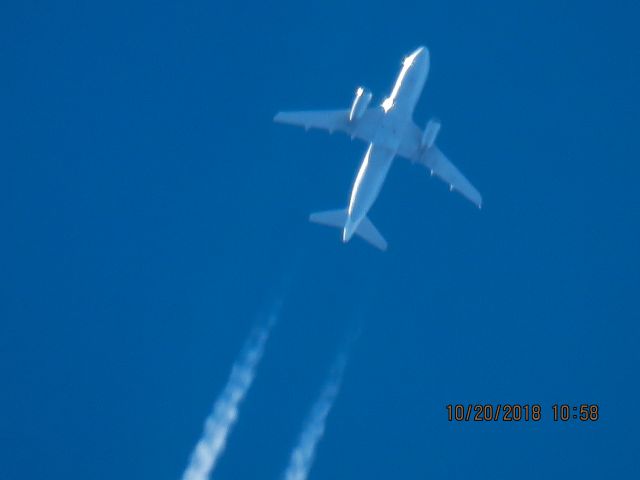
(430,133)
(360,103)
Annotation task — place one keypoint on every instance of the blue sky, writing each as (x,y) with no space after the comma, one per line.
(152,211)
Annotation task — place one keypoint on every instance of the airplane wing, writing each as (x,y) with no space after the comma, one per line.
(365,128)
(437,162)
(335,121)
(441,166)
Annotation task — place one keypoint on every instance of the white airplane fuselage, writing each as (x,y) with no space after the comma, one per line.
(389,131)
(398,110)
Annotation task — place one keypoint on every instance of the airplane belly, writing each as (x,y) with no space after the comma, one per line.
(369,180)
(390,131)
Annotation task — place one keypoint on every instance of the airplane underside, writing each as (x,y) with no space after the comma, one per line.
(390,131)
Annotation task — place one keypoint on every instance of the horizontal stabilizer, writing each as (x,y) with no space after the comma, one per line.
(370,233)
(332,218)
(338,218)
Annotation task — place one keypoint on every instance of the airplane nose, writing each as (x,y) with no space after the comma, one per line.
(420,51)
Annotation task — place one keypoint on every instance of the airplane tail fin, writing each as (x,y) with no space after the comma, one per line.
(338,218)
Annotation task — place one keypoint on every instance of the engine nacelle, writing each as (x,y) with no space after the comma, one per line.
(430,133)
(360,103)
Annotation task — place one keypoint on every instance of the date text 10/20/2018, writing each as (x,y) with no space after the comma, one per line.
(515,412)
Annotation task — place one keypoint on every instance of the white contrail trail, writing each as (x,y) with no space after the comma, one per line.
(225,410)
(303,454)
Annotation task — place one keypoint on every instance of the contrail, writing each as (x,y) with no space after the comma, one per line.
(225,411)
(303,454)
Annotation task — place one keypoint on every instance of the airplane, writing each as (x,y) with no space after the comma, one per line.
(389,129)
